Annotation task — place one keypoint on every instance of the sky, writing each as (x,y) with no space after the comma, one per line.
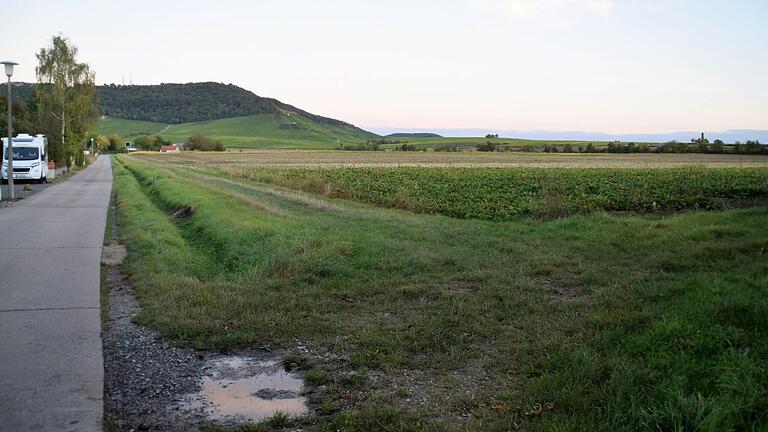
(612,66)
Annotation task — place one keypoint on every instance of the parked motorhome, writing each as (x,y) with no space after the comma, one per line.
(30,158)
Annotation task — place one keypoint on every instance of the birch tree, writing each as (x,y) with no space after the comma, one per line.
(66,95)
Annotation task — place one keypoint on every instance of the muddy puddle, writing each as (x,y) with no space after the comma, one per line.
(247,389)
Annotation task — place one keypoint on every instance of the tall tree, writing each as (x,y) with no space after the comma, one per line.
(66,97)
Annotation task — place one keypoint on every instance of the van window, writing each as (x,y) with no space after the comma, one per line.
(23,153)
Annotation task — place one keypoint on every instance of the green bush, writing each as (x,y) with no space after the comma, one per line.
(488,146)
(150,142)
(203,143)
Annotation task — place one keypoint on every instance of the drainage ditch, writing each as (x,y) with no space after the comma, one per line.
(151,385)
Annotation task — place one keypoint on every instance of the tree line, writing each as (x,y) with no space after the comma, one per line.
(62,104)
(116,144)
(697,145)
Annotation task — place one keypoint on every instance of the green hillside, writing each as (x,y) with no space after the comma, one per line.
(234,115)
(193,102)
(270,131)
(293,131)
(127,128)
(255,131)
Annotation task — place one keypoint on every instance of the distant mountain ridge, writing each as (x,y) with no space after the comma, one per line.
(413,135)
(729,136)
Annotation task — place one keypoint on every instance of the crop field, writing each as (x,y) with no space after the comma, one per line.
(458,295)
(504,194)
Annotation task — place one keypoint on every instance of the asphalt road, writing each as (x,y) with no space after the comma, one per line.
(51,365)
(24,189)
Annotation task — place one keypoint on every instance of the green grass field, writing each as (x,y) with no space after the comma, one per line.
(127,128)
(256,131)
(263,131)
(596,321)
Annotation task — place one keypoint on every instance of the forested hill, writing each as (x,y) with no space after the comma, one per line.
(184,103)
(21,91)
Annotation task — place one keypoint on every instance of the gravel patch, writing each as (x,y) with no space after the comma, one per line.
(145,378)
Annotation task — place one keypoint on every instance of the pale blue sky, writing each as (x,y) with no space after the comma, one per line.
(616,66)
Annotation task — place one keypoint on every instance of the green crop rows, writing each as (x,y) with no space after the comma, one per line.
(503,194)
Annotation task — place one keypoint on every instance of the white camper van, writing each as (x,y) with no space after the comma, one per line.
(30,158)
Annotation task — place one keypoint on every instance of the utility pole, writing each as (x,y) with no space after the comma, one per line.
(9,72)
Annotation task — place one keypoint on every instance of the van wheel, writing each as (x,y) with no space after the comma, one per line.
(5,181)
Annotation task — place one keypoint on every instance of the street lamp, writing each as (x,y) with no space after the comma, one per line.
(9,72)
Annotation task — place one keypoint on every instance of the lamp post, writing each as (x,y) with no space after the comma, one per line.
(9,72)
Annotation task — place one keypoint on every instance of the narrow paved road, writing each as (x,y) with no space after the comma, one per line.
(51,367)
(23,190)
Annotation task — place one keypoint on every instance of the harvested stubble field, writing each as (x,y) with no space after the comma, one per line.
(583,320)
(332,158)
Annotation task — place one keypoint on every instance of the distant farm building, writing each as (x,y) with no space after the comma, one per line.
(168,149)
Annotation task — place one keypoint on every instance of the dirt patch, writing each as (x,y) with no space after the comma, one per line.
(113,254)
(458,287)
(561,290)
(566,292)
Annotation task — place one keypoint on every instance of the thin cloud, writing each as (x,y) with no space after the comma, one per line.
(544,9)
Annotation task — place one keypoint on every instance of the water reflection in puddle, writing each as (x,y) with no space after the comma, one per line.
(248,389)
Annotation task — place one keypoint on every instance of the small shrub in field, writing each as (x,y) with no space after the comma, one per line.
(487,147)
(203,143)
